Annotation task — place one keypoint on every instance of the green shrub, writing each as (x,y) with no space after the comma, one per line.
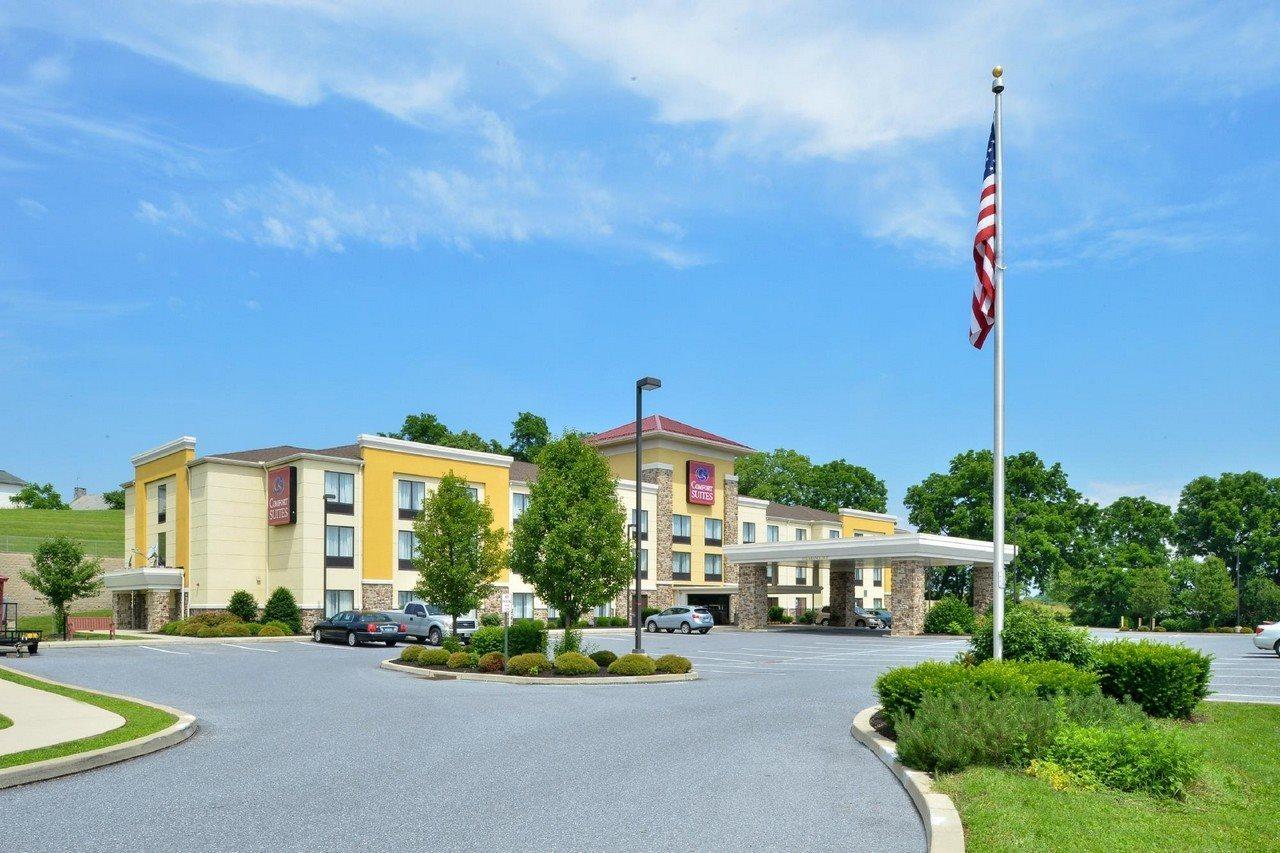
(459,660)
(242,606)
(966,726)
(808,617)
(673,664)
(646,612)
(525,636)
(603,658)
(1180,623)
(1149,759)
(949,613)
(491,662)
(486,639)
(255,628)
(575,663)
(191,629)
(786,618)
(451,643)
(410,654)
(272,631)
(529,663)
(212,618)
(491,620)
(284,627)
(569,641)
(633,664)
(207,631)
(902,689)
(431,656)
(282,607)
(1034,633)
(1166,680)
(775,613)
(171,628)
(233,629)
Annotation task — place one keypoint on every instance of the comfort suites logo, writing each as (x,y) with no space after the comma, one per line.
(282,506)
(702,483)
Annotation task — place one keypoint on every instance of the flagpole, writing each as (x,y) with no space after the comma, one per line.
(997,453)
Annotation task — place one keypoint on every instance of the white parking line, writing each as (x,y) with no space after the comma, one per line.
(164,651)
(251,648)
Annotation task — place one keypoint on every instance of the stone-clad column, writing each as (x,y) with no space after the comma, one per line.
(906,598)
(983,589)
(661,475)
(843,598)
(731,528)
(375,596)
(753,597)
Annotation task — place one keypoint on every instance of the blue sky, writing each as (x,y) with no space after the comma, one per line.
(260,223)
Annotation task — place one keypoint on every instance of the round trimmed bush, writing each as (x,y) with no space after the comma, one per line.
(491,620)
(459,660)
(531,663)
(492,662)
(673,664)
(575,663)
(487,639)
(254,628)
(947,615)
(428,656)
(525,636)
(242,606)
(1166,680)
(1035,633)
(272,631)
(775,613)
(410,654)
(191,629)
(633,664)
(208,631)
(233,629)
(603,658)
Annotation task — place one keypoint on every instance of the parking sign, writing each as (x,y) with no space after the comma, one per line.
(506,603)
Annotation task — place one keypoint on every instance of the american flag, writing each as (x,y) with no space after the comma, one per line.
(984,252)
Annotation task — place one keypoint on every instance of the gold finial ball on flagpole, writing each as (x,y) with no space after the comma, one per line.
(998,71)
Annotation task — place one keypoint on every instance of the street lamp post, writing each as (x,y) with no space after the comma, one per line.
(324,553)
(648,383)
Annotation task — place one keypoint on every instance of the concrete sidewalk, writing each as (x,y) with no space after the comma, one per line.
(41,718)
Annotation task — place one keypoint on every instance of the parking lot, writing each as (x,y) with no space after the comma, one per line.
(306,746)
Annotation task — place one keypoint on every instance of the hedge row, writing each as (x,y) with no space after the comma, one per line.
(569,663)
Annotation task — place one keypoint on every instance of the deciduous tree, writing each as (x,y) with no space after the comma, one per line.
(38,496)
(1204,589)
(60,573)
(529,434)
(1235,517)
(789,477)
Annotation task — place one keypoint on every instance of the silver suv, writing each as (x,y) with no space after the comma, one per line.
(687,619)
(862,618)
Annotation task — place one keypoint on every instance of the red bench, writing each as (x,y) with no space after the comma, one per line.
(90,623)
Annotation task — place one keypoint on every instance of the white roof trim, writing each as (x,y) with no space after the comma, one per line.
(926,547)
(151,577)
(757,503)
(186,442)
(870,516)
(417,448)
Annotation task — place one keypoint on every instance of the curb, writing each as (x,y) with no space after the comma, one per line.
(160,639)
(944,833)
(441,675)
(184,727)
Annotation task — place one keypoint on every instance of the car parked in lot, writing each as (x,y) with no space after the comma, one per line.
(430,624)
(1267,636)
(360,626)
(885,617)
(862,618)
(684,618)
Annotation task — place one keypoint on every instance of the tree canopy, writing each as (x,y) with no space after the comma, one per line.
(1235,517)
(1135,531)
(114,498)
(1203,588)
(570,542)
(459,552)
(60,573)
(789,477)
(529,434)
(37,496)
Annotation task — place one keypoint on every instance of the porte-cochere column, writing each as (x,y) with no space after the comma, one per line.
(983,589)
(843,598)
(906,597)
(753,597)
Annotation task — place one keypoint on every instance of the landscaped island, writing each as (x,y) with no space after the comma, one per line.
(567,664)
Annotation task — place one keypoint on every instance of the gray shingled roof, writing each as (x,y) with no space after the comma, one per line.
(524,472)
(280,451)
(8,479)
(800,513)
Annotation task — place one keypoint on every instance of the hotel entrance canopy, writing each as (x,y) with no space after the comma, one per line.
(906,556)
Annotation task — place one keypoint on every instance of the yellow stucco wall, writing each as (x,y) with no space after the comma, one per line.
(179,502)
(381,468)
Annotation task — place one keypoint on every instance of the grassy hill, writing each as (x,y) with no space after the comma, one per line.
(101,531)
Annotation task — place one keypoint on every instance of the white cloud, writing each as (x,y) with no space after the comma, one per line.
(253,305)
(32,208)
(176,217)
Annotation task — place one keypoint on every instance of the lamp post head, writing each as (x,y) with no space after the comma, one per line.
(648,383)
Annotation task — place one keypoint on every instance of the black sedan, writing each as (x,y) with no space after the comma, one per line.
(360,626)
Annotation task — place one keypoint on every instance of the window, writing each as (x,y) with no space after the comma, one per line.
(162,549)
(644,562)
(833,534)
(801,534)
(644,524)
(412,494)
(877,577)
(552,613)
(748,532)
(337,600)
(681,529)
(162,503)
(802,575)
(713,567)
(604,609)
(680,564)
(339,546)
(343,488)
(406,544)
(771,573)
(474,492)
(519,503)
(879,603)
(713,531)
(857,575)
(771,533)
(522,605)
(403,597)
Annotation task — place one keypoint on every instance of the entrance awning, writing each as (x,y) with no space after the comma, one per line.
(147,577)
(699,588)
(869,552)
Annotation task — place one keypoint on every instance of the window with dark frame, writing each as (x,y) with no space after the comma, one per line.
(339,546)
(406,545)
(748,532)
(877,577)
(644,563)
(343,488)
(802,576)
(681,529)
(771,533)
(801,534)
(713,567)
(162,503)
(411,494)
(681,565)
(713,532)
(644,524)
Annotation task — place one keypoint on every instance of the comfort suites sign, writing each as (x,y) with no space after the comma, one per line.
(702,482)
(282,495)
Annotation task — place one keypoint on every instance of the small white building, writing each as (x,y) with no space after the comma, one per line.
(9,488)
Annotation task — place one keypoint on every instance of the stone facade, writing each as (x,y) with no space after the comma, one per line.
(660,544)
(753,598)
(145,610)
(906,598)
(29,604)
(310,616)
(843,598)
(375,596)
(983,589)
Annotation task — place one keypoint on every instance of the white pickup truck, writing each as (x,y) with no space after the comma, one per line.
(430,624)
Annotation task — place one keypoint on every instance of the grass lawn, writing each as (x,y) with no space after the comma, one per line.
(101,531)
(1233,807)
(140,721)
(45,623)
(5,722)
